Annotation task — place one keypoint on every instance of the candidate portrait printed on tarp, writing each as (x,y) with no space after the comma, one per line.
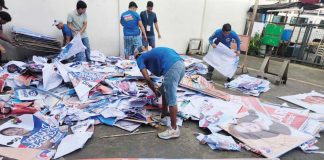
(30,133)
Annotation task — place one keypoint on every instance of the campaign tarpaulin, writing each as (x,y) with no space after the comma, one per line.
(295,120)
(215,112)
(223,59)
(32,132)
(313,101)
(25,153)
(83,82)
(200,84)
(82,132)
(51,79)
(188,61)
(271,138)
(97,56)
(28,94)
(74,47)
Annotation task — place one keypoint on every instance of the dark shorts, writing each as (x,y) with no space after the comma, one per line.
(150,41)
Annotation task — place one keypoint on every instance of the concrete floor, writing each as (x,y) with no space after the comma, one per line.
(301,79)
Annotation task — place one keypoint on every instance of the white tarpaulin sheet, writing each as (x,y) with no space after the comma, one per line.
(74,47)
(223,59)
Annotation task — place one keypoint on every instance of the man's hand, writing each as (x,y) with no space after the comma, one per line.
(237,53)
(214,45)
(159,36)
(2,49)
(76,32)
(145,38)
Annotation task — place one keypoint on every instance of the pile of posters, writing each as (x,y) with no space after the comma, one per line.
(188,61)
(223,59)
(35,41)
(249,85)
(50,98)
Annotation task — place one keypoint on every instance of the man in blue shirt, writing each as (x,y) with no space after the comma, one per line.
(131,22)
(66,31)
(164,62)
(225,36)
(149,19)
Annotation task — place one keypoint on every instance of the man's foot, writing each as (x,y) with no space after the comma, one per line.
(229,79)
(170,133)
(161,120)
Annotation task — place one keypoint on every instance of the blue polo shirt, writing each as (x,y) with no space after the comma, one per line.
(148,18)
(129,20)
(67,31)
(218,36)
(158,60)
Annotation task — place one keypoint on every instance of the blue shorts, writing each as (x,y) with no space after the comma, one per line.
(150,41)
(131,43)
(171,81)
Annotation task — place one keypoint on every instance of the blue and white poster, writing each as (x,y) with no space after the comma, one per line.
(31,132)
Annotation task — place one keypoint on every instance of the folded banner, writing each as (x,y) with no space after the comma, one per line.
(74,47)
(200,84)
(223,59)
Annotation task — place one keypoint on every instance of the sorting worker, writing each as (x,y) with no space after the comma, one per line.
(78,22)
(66,31)
(225,36)
(132,24)
(166,62)
(149,19)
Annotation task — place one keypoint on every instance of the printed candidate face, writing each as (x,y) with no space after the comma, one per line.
(4,110)
(248,127)
(14,131)
(314,100)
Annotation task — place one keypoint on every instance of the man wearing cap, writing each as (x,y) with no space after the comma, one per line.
(2,5)
(132,24)
(149,19)
(78,22)
(166,62)
(66,31)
